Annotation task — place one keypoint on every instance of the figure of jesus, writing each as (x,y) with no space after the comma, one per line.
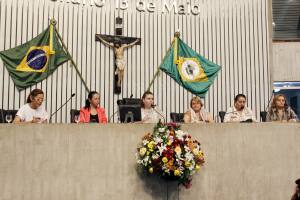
(119,55)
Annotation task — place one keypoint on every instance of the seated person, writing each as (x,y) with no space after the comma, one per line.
(296,195)
(92,112)
(32,112)
(148,112)
(239,112)
(196,114)
(280,111)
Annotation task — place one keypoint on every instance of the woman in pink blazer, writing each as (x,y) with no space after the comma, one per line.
(92,112)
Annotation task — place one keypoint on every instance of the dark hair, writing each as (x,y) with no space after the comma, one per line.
(118,44)
(33,94)
(90,96)
(236,98)
(144,96)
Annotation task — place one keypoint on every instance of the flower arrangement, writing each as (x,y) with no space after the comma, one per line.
(170,153)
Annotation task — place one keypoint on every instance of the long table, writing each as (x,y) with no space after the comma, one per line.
(92,162)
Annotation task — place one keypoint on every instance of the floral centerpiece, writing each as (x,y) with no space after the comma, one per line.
(170,153)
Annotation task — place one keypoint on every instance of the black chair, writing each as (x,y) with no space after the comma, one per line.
(2,117)
(10,112)
(73,113)
(222,115)
(177,117)
(263,116)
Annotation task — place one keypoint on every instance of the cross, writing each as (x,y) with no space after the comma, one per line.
(119,44)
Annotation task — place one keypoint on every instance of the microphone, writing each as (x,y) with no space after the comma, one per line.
(131,96)
(270,100)
(263,114)
(50,120)
(153,105)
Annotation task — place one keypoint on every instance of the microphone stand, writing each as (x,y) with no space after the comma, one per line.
(263,114)
(153,106)
(50,119)
(112,116)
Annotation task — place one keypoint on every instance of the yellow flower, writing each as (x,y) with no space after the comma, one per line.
(187,164)
(150,170)
(169,142)
(200,154)
(176,172)
(150,145)
(148,152)
(165,160)
(195,151)
(142,151)
(178,150)
(198,167)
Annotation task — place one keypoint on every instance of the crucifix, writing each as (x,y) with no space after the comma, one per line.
(119,43)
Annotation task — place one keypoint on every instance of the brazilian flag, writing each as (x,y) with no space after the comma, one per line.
(35,60)
(188,68)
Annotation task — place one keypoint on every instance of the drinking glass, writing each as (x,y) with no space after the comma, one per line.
(8,118)
(76,119)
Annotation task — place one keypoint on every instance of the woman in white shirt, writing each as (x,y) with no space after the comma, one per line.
(239,112)
(197,114)
(32,112)
(149,113)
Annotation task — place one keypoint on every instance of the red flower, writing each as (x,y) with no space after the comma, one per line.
(169,153)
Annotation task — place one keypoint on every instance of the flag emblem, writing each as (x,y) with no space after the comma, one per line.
(36,60)
(191,70)
(188,68)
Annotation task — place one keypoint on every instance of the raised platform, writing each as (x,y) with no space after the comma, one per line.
(92,162)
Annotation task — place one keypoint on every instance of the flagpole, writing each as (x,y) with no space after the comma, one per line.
(153,79)
(53,22)
(176,35)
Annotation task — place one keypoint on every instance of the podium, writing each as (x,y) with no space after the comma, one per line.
(93,162)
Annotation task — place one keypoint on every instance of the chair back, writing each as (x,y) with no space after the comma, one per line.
(263,116)
(73,113)
(2,117)
(177,117)
(9,112)
(222,115)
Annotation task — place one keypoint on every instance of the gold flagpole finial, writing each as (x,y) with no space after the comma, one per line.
(177,34)
(53,21)
(52,27)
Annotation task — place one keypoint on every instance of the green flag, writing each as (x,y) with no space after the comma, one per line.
(35,60)
(191,70)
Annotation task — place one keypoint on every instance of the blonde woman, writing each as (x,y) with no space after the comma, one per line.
(197,114)
(280,111)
